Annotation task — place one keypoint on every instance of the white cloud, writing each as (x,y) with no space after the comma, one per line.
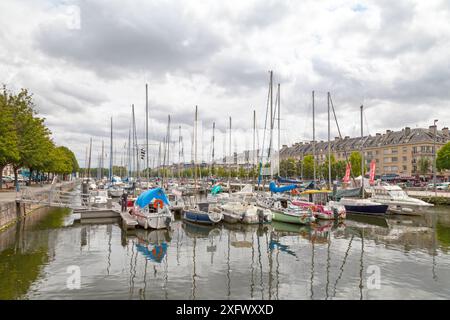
(391,57)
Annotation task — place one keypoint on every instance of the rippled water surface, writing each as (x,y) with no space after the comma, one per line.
(277,261)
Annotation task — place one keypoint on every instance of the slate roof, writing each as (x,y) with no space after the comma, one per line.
(390,138)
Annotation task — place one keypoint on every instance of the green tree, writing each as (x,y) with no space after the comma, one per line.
(33,138)
(355,160)
(443,158)
(242,173)
(9,152)
(308,167)
(424,164)
(340,168)
(324,167)
(288,168)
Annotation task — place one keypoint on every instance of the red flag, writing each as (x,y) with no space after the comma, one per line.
(347,172)
(372,172)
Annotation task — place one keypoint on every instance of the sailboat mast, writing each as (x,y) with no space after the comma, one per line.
(195,146)
(231,158)
(129,153)
(146,133)
(159,160)
(254,140)
(329,143)
(111,153)
(314,140)
(102,161)
(271,123)
(213,150)
(89,164)
(136,146)
(279,128)
(179,152)
(362,153)
(168,143)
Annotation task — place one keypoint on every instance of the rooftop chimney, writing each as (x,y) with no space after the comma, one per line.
(336,138)
(347,137)
(407,131)
(445,131)
(388,131)
(378,134)
(432,128)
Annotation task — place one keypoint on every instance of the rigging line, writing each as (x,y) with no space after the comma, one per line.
(265,125)
(272,125)
(340,136)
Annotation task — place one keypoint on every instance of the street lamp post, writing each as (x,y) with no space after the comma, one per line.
(434,158)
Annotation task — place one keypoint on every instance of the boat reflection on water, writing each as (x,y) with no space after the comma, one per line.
(153,244)
(193,230)
(379,221)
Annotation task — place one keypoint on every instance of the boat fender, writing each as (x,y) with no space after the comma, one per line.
(158,202)
(336,213)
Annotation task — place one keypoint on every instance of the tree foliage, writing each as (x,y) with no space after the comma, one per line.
(25,141)
(424,164)
(443,158)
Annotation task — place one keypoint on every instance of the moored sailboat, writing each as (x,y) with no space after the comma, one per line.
(151,210)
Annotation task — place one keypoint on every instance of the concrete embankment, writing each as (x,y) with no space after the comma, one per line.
(11,211)
(438,198)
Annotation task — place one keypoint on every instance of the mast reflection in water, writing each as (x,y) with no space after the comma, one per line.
(273,261)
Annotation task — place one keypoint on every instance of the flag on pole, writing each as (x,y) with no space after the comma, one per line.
(347,173)
(372,172)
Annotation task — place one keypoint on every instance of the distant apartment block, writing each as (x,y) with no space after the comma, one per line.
(395,152)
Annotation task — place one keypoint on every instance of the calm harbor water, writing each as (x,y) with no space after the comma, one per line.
(277,261)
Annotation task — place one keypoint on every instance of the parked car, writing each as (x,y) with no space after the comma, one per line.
(443,186)
(7,179)
(439,186)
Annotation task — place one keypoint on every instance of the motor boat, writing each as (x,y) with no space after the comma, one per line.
(234,212)
(364,206)
(397,200)
(115,191)
(151,210)
(98,198)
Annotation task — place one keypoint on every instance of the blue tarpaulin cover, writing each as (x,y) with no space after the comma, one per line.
(216,189)
(147,197)
(273,187)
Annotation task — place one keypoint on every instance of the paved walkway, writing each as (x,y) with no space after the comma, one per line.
(10,195)
(429,193)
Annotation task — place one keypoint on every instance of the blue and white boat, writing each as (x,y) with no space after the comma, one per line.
(151,210)
(203,213)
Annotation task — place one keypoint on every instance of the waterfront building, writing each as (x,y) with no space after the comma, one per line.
(395,152)
(8,171)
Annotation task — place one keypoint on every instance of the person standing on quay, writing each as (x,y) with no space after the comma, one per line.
(124,201)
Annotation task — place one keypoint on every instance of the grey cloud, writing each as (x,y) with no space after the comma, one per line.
(115,39)
(264,13)
(80,92)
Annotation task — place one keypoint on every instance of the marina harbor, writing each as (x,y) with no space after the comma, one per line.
(225,158)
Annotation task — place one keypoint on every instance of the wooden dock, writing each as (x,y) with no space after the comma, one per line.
(107,215)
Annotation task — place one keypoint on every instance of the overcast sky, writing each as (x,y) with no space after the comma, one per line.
(86,61)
